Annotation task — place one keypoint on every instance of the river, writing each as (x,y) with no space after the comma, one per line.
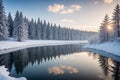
(63,62)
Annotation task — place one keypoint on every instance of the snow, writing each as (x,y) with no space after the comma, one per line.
(4,75)
(112,47)
(13,45)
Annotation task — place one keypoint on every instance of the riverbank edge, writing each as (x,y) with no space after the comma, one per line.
(9,46)
(110,47)
(104,53)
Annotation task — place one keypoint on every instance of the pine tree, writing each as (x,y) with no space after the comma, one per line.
(44,30)
(38,29)
(10,25)
(31,30)
(104,34)
(63,33)
(59,33)
(55,32)
(21,34)
(15,25)
(56,36)
(69,34)
(26,27)
(72,35)
(116,22)
(48,31)
(20,28)
(3,23)
(51,32)
(36,37)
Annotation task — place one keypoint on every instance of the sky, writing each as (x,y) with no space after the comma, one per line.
(78,14)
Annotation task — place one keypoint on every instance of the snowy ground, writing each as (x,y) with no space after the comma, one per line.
(4,75)
(112,47)
(12,45)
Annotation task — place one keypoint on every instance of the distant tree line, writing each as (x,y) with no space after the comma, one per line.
(110,29)
(21,29)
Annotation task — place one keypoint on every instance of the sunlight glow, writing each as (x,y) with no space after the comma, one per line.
(109,27)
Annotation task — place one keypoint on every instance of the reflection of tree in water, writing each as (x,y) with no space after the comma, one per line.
(20,59)
(108,66)
(104,64)
(116,70)
(6,60)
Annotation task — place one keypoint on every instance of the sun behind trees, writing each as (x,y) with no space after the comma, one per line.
(110,29)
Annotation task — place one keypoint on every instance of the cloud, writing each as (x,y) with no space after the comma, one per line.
(67,20)
(55,8)
(76,7)
(56,70)
(70,69)
(61,9)
(62,70)
(108,1)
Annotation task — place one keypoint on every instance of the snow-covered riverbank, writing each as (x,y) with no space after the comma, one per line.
(12,45)
(112,47)
(4,75)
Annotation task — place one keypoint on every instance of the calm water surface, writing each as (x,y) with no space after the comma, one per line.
(65,62)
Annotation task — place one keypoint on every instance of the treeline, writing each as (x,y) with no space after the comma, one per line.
(21,29)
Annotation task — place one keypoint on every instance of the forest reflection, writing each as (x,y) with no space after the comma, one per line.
(20,59)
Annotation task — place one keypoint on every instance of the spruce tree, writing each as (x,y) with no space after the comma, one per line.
(15,25)
(59,33)
(20,29)
(116,22)
(31,29)
(55,32)
(21,34)
(48,31)
(10,25)
(103,35)
(51,32)
(44,30)
(3,23)
(26,27)
(38,29)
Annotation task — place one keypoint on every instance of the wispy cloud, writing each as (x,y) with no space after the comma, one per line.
(108,1)
(62,9)
(76,7)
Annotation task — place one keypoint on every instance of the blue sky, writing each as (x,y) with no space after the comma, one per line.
(78,14)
